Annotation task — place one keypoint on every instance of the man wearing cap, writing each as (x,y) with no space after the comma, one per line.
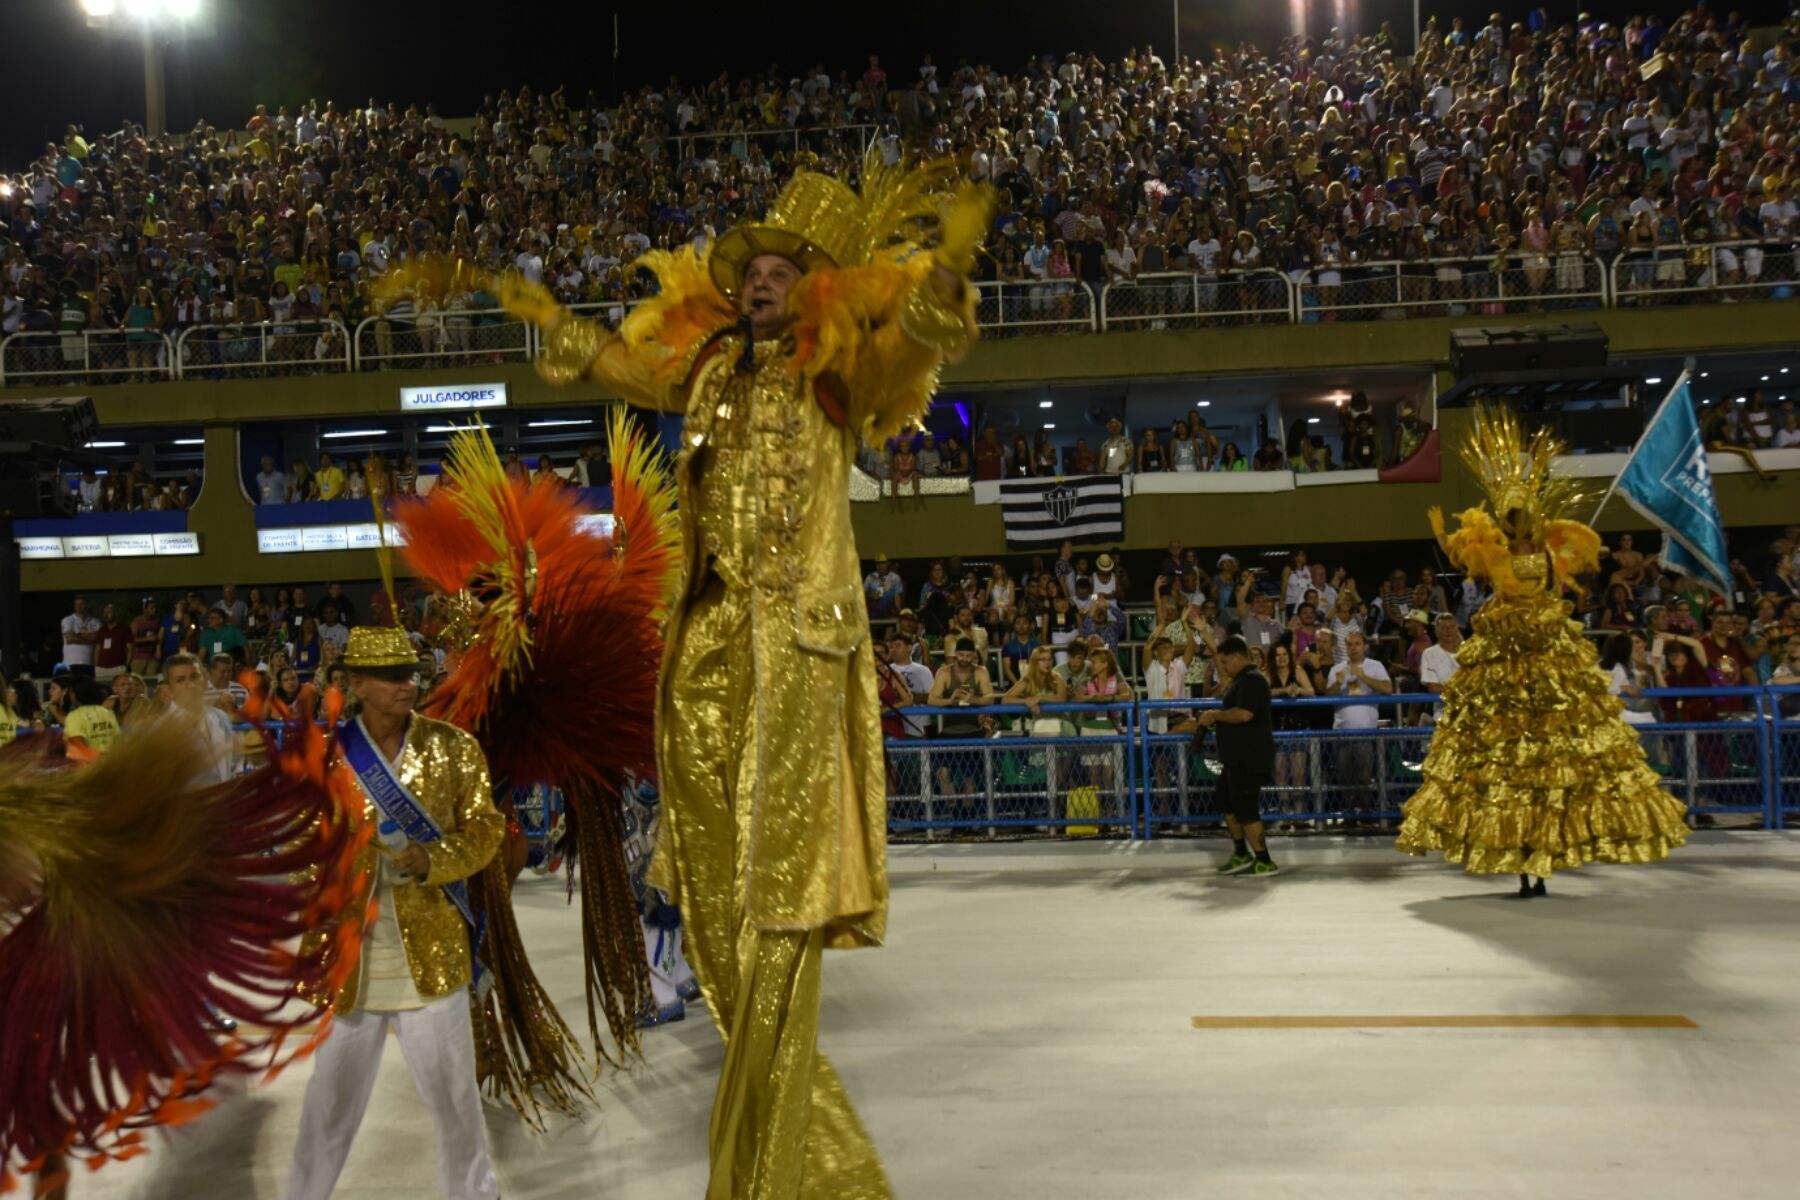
(791,341)
(425,787)
(1246,736)
(882,588)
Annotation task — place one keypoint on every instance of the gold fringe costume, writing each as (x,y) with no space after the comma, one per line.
(1531,768)
(768,726)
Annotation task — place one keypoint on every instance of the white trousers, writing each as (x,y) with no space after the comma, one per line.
(440,1053)
(669,970)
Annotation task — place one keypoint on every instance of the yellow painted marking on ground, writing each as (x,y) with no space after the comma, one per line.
(1459,1021)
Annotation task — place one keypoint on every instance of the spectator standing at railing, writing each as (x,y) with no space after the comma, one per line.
(1116,453)
(146,639)
(1357,675)
(990,456)
(113,649)
(1150,456)
(1729,661)
(329,478)
(1040,683)
(271,482)
(1165,678)
(80,635)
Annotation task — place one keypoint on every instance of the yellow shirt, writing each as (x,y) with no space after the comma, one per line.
(94,725)
(330,481)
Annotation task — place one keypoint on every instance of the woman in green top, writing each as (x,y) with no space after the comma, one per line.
(140,324)
(1232,459)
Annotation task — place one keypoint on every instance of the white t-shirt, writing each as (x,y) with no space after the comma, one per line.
(78,653)
(221,742)
(919,678)
(1165,683)
(1436,665)
(1297,584)
(1356,716)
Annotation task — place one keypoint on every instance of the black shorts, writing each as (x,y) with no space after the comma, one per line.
(1240,788)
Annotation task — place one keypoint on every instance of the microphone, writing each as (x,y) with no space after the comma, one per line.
(747,360)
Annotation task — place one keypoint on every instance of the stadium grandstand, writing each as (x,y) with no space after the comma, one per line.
(1240,306)
(1233,281)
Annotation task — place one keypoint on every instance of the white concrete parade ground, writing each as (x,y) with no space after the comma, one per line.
(1028,1034)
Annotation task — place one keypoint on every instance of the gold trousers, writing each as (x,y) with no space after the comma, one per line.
(782,1127)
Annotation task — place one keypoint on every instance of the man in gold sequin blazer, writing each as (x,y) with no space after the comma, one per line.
(822,325)
(425,788)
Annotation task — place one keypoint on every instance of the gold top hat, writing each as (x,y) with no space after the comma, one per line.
(815,222)
(376,646)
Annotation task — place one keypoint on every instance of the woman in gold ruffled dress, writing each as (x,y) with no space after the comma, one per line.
(1532,769)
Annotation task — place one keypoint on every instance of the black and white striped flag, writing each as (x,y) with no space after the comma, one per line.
(1045,512)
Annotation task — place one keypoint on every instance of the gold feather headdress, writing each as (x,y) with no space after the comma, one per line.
(1517,473)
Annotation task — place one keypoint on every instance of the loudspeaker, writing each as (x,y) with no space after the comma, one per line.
(1492,351)
(62,422)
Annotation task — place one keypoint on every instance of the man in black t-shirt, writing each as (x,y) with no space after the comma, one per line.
(1247,752)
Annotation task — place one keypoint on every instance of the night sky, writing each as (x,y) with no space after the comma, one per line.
(56,70)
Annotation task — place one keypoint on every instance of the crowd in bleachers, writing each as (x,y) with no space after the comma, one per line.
(1556,142)
(1161,630)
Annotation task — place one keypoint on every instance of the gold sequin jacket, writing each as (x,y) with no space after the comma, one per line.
(819,834)
(445,770)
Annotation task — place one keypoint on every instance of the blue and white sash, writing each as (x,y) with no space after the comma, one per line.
(402,808)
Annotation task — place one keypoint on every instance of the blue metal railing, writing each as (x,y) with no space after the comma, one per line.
(1020,774)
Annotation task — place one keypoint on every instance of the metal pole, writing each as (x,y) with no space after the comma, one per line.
(1416,33)
(1176,5)
(155,116)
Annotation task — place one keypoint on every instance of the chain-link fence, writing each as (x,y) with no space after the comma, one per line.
(91,357)
(1781,711)
(1010,308)
(1118,770)
(1705,273)
(1065,770)
(1495,286)
(262,350)
(442,338)
(1172,300)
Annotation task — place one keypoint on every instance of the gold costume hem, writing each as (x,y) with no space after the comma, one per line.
(1532,770)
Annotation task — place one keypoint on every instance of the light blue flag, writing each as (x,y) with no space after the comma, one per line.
(1667,480)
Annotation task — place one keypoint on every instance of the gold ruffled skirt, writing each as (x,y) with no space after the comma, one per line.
(1532,769)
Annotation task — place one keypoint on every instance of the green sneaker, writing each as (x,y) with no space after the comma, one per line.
(1258,867)
(1237,862)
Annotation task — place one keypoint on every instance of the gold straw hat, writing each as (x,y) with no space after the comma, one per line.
(815,222)
(374,647)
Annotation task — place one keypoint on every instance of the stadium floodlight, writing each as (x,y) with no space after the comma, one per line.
(1046,404)
(1653,379)
(144,10)
(149,17)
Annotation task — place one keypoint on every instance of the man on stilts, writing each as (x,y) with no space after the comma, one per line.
(791,340)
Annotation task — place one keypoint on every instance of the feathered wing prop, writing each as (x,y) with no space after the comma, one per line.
(139,908)
(550,607)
